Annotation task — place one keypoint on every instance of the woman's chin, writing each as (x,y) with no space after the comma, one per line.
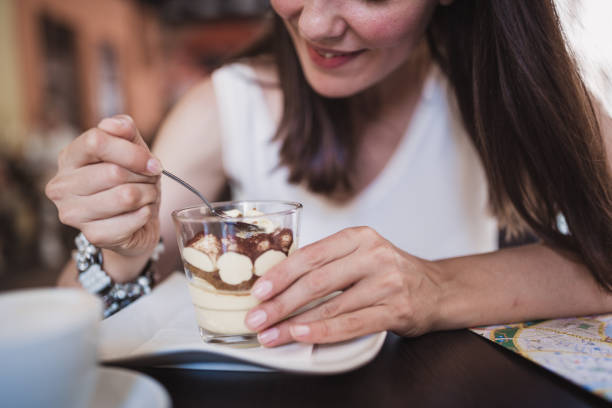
(334,87)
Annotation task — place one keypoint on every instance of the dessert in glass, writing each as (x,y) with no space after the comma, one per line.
(223,256)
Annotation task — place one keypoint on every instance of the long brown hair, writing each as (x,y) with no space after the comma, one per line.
(523,104)
(318,150)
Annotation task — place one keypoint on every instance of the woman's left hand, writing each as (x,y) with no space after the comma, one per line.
(383,288)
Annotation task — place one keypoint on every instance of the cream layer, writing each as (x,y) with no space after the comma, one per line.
(220,311)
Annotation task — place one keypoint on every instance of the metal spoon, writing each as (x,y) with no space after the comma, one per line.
(241,225)
(193,190)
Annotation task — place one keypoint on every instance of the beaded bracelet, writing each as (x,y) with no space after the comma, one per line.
(115,296)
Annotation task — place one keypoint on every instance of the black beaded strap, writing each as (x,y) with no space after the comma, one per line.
(94,279)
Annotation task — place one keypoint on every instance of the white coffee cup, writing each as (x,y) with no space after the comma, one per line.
(48,347)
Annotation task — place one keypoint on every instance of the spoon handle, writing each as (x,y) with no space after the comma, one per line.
(190,188)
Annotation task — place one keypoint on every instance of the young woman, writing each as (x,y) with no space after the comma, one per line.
(430,122)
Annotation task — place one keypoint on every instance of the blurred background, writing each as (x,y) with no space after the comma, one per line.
(65,64)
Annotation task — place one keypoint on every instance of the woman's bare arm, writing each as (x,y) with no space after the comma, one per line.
(516,284)
(188,144)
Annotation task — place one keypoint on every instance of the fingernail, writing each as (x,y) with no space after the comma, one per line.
(112,122)
(299,330)
(268,336)
(261,289)
(154,166)
(256,319)
(122,121)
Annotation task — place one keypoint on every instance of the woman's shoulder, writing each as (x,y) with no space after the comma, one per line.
(198,104)
(211,105)
(204,95)
(195,114)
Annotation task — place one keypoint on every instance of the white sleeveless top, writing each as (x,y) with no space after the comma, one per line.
(429,200)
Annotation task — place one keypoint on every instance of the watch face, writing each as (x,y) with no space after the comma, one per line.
(94,279)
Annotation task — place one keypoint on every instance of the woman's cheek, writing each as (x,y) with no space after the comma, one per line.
(286,9)
(390,28)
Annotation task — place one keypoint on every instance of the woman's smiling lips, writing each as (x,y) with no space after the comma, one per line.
(328,58)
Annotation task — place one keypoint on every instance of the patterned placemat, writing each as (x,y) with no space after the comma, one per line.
(578,349)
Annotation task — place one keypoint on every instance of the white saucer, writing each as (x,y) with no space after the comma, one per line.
(120,388)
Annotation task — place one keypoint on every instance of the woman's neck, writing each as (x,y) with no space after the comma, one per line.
(380,118)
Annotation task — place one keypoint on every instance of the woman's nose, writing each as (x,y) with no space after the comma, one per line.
(321,21)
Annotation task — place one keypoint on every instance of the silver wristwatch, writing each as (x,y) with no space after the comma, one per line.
(94,279)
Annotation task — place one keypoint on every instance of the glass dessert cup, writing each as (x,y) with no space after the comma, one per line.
(224,256)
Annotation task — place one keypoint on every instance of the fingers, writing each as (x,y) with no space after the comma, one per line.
(302,261)
(111,231)
(122,126)
(96,146)
(343,327)
(108,186)
(318,283)
(121,199)
(98,177)
(357,297)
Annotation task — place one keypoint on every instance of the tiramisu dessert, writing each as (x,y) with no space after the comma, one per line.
(223,264)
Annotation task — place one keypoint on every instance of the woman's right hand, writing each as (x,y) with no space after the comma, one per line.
(107,186)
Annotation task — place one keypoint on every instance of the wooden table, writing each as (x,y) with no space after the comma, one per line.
(449,369)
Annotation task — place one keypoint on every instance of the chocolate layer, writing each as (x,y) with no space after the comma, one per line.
(256,245)
(252,246)
(215,280)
